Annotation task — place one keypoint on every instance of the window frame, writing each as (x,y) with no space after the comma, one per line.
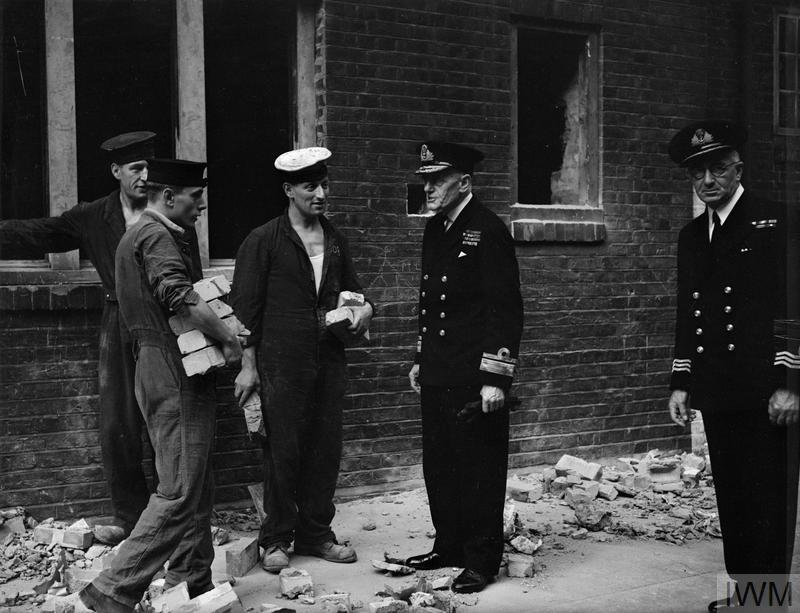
(190,134)
(778,14)
(578,222)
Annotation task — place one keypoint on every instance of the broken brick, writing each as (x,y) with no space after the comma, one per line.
(222,599)
(295,581)
(519,565)
(388,605)
(240,556)
(587,470)
(607,491)
(338,602)
(171,599)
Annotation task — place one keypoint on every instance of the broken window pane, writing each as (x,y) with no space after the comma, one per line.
(22,115)
(552,114)
(123,81)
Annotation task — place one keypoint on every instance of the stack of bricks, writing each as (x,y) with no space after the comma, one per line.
(202,353)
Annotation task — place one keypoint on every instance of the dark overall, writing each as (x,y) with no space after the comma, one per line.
(470,325)
(729,295)
(302,370)
(155,272)
(96,228)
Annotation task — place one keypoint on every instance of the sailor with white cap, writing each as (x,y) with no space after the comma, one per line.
(289,273)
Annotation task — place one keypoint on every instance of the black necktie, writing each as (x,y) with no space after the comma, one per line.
(717,226)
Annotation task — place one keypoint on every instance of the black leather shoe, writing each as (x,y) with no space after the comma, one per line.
(471,581)
(426,561)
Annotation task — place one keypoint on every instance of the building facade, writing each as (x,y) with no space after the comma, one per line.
(573,103)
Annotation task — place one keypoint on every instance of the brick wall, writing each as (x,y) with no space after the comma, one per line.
(599,317)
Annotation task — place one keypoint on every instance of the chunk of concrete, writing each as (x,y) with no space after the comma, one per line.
(558,486)
(78,578)
(607,491)
(394,569)
(222,599)
(519,565)
(422,599)
(388,605)
(587,470)
(171,599)
(548,476)
(521,491)
(338,602)
(442,583)
(295,581)
(672,486)
(523,544)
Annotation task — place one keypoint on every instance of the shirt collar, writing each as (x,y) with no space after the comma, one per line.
(453,213)
(164,220)
(726,209)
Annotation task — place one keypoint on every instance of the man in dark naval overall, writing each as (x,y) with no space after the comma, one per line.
(96,228)
(470,324)
(155,273)
(289,273)
(728,362)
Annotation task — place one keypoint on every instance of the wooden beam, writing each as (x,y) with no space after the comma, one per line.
(190,137)
(306,120)
(62,150)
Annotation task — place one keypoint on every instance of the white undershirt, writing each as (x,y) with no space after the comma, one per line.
(316,264)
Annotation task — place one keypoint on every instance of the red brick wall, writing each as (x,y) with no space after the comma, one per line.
(599,317)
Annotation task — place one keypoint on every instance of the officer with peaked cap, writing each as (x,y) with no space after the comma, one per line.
(727,363)
(470,325)
(155,272)
(96,228)
(289,273)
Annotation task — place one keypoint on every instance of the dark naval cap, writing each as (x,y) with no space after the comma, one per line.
(703,138)
(299,165)
(178,173)
(130,147)
(435,156)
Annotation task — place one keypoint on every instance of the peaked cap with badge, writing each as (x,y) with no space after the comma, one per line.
(435,156)
(731,293)
(180,173)
(702,138)
(130,147)
(306,164)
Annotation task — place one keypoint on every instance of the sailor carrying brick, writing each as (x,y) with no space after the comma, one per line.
(289,274)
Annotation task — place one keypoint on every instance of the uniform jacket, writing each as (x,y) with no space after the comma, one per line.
(94,227)
(730,295)
(470,306)
(155,273)
(274,294)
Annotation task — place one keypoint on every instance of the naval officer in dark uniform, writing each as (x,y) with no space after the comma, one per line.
(728,362)
(470,324)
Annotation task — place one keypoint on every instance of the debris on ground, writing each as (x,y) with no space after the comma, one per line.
(392,568)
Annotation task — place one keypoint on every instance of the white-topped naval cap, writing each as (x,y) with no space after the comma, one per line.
(300,159)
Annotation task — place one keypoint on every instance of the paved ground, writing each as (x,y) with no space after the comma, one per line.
(599,574)
(621,574)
